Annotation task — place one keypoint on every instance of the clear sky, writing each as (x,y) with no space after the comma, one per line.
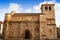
(6,6)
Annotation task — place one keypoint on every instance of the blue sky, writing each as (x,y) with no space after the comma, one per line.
(6,6)
(24,3)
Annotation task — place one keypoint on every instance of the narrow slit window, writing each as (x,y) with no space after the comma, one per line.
(46,8)
(49,8)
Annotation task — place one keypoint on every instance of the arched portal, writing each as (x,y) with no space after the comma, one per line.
(27,34)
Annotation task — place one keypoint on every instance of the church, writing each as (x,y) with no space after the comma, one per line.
(31,26)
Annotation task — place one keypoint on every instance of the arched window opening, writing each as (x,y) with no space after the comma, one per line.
(27,34)
(50,8)
(46,8)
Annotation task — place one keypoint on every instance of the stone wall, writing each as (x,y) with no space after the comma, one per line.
(54,39)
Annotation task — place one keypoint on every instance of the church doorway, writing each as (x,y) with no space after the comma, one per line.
(27,35)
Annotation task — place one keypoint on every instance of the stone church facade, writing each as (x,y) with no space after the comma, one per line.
(31,26)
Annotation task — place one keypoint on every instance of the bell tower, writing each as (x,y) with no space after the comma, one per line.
(49,11)
(47,7)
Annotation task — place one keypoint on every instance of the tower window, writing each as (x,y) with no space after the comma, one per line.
(49,8)
(46,8)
